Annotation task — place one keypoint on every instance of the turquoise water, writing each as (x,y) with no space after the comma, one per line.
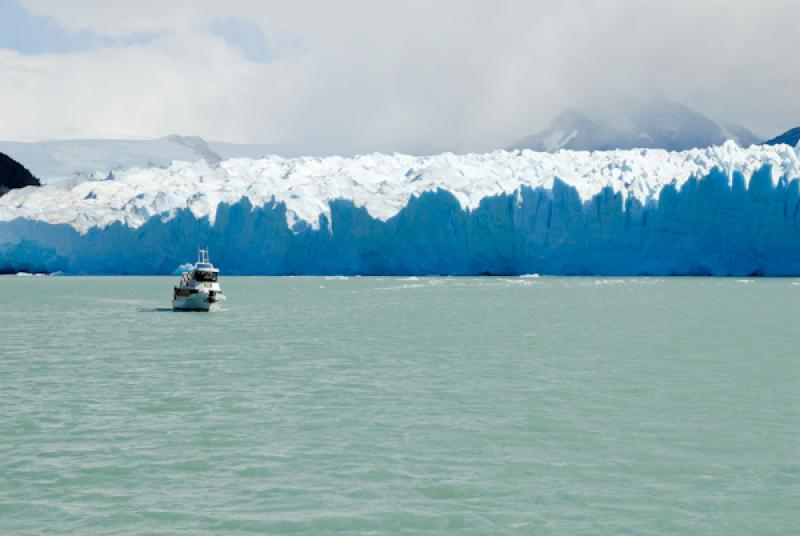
(397,406)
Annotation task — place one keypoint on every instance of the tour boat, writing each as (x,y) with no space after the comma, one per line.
(199,289)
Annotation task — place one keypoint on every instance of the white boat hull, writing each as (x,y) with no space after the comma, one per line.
(195,302)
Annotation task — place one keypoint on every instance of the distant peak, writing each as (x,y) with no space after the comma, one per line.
(654,122)
(198,145)
(790,137)
(570,117)
(177,138)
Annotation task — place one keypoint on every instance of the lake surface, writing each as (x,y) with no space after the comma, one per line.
(401,406)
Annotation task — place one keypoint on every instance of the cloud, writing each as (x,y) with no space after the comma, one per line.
(24,32)
(408,76)
(246,36)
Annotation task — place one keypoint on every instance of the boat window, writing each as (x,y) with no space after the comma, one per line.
(201,275)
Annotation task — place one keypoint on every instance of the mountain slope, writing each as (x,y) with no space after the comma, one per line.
(14,175)
(76,160)
(657,123)
(740,135)
(575,130)
(790,137)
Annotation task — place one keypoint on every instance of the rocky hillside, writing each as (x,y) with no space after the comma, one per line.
(655,124)
(14,175)
(790,137)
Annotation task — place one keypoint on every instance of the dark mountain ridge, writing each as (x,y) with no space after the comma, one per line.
(790,137)
(14,175)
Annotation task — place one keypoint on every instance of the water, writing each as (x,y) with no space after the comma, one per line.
(401,406)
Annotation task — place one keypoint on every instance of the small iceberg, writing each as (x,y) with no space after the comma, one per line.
(186,267)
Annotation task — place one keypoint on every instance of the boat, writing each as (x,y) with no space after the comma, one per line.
(199,288)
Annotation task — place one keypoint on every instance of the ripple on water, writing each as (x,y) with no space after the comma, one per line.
(400,406)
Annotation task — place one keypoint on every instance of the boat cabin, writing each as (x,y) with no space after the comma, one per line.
(203,273)
(203,269)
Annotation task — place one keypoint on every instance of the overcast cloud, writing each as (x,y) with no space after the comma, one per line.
(408,76)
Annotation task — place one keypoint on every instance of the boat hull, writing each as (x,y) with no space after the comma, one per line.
(195,302)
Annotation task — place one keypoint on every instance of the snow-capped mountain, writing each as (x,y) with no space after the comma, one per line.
(718,210)
(657,123)
(76,160)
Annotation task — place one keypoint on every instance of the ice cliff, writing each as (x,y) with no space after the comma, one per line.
(723,210)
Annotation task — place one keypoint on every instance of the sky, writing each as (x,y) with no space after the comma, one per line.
(409,76)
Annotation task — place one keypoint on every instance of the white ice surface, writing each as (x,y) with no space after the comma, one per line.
(381,183)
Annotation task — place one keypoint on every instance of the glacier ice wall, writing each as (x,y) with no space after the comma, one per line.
(728,220)
(708,226)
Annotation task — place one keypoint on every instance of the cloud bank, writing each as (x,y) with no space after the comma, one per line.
(413,76)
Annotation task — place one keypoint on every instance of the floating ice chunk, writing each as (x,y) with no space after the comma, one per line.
(186,267)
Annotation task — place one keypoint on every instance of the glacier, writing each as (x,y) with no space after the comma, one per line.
(723,210)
